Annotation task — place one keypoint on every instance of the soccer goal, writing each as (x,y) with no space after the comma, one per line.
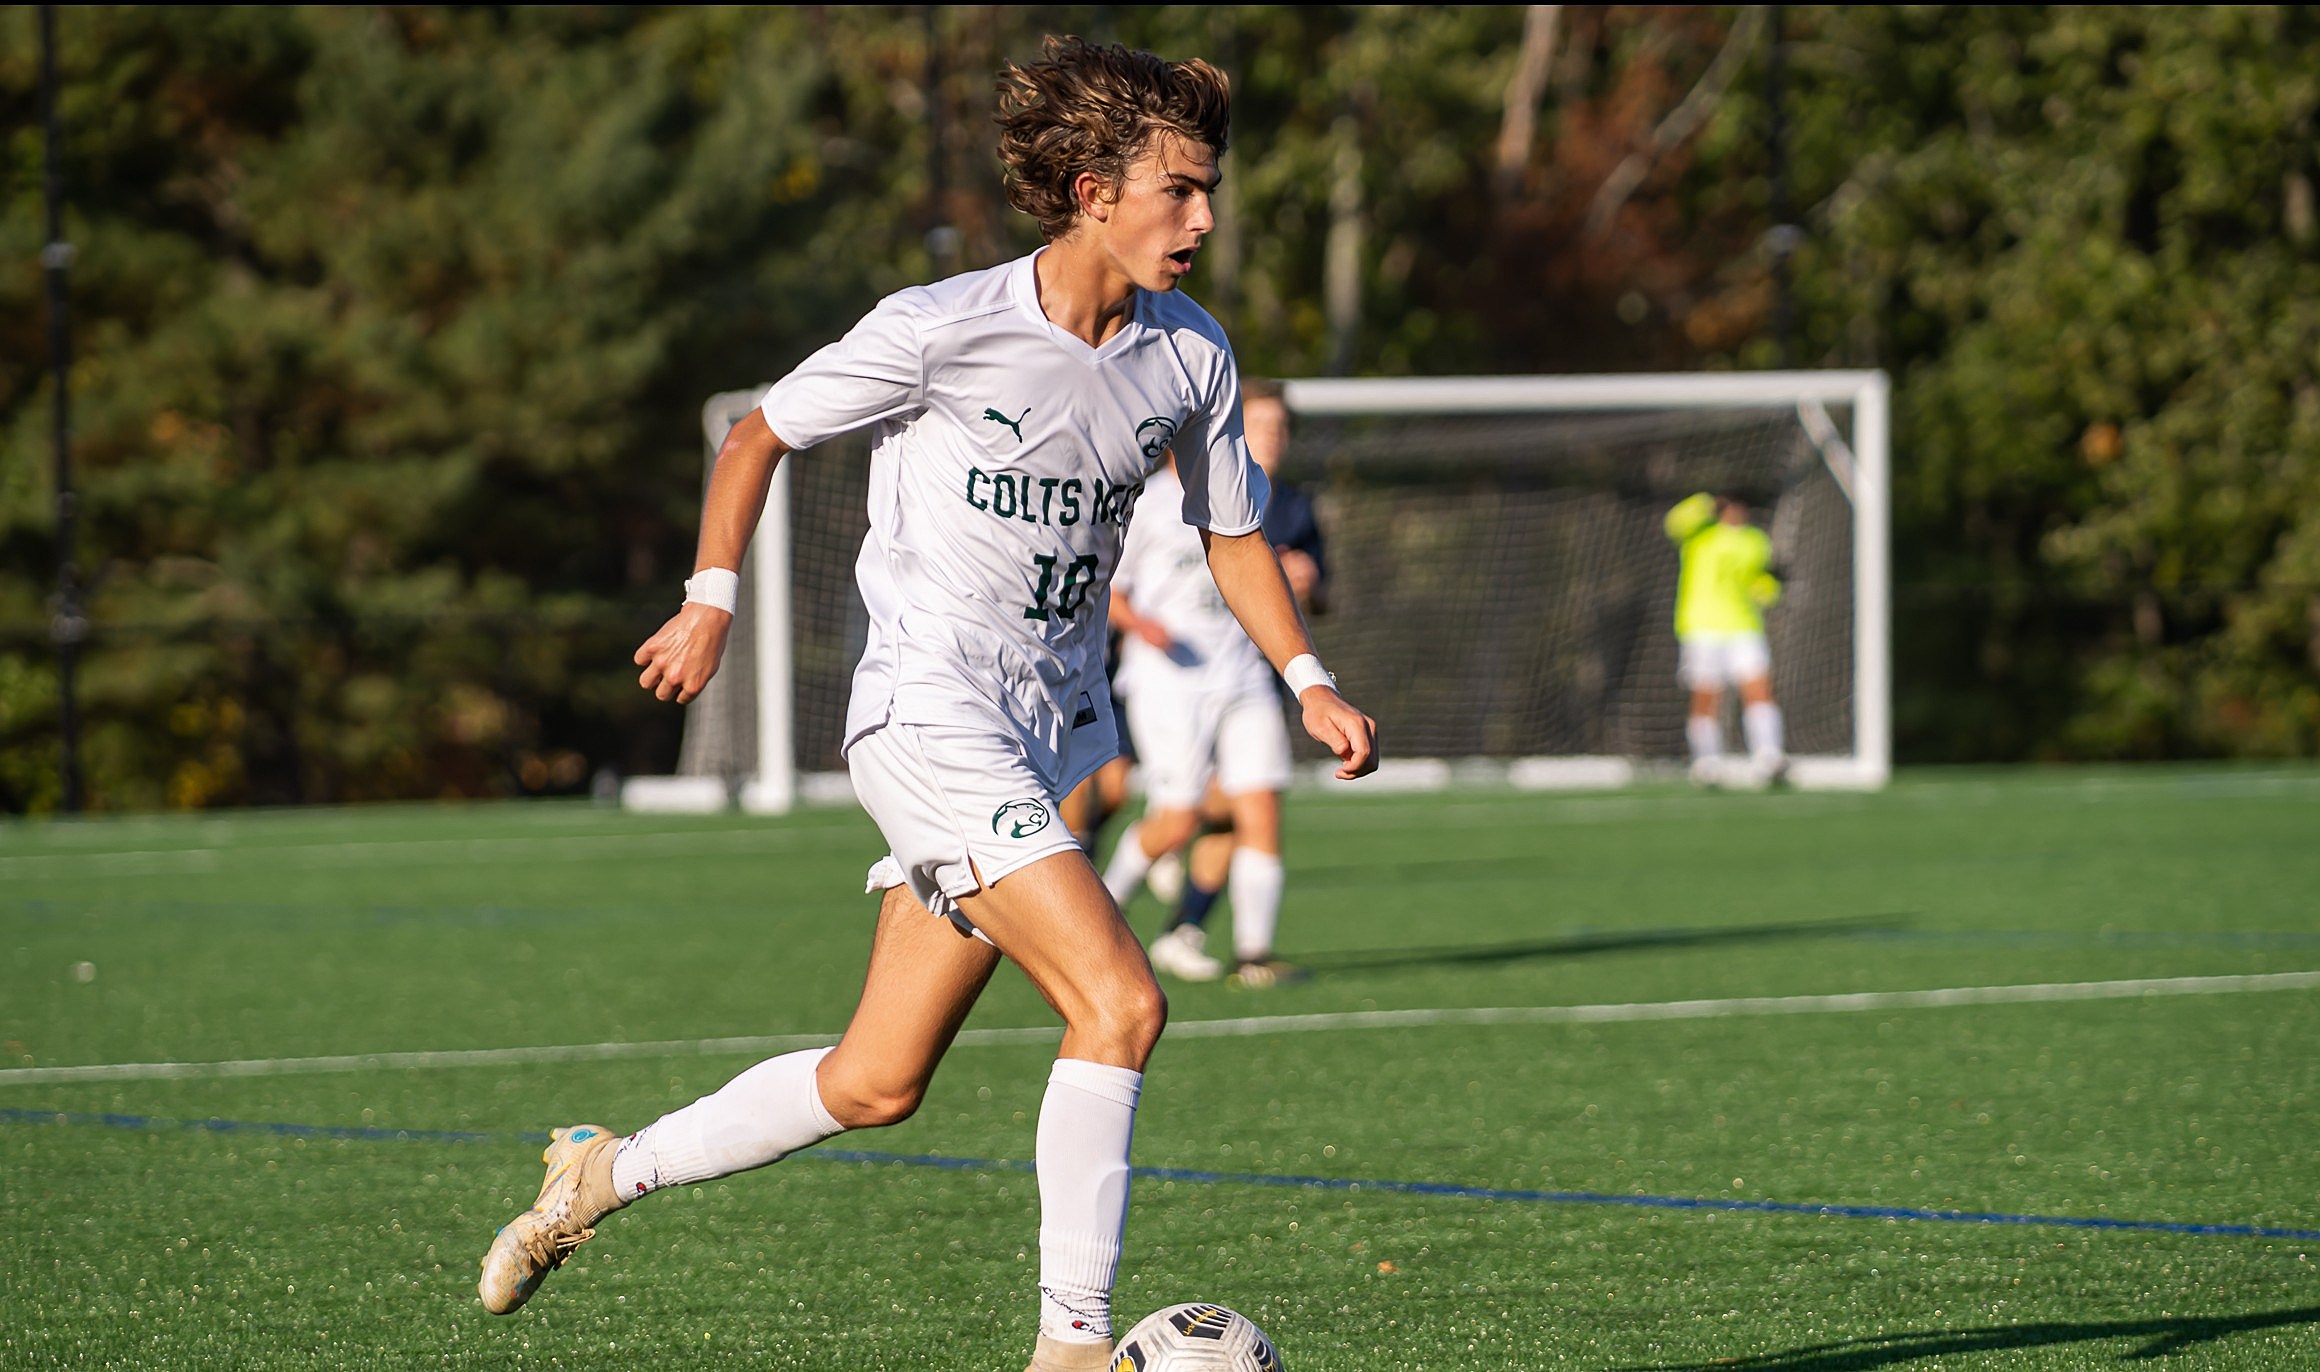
(1501,591)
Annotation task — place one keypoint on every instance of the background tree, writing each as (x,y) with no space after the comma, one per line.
(394,325)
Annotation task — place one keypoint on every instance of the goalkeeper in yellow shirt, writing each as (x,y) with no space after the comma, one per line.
(1725,585)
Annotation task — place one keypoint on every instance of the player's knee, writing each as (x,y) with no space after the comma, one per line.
(1140,1015)
(871,1103)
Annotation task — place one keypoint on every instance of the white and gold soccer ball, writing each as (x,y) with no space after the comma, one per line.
(1195,1338)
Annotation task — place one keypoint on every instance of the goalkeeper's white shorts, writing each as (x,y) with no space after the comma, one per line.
(1185,736)
(1723,659)
(959,807)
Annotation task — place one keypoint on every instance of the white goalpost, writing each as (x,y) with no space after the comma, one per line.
(1501,593)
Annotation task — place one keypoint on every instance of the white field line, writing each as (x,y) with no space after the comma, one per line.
(415,852)
(1247,1027)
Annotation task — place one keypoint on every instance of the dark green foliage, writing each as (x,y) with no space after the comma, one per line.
(392,326)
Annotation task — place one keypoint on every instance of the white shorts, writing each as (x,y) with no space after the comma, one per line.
(1185,737)
(959,808)
(1722,659)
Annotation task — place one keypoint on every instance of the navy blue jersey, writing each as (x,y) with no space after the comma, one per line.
(1289,523)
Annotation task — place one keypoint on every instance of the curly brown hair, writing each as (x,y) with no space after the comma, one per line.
(1088,108)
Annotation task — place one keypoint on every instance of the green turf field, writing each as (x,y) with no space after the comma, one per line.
(321,1215)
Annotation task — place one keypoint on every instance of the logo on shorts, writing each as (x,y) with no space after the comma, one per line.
(1019,818)
(1154,435)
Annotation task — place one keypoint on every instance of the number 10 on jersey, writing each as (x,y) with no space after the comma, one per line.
(1078,575)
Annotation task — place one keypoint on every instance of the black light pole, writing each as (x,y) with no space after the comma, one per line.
(66,626)
(1784,236)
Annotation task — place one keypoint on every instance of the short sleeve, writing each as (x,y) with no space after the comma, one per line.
(877,371)
(1224,489)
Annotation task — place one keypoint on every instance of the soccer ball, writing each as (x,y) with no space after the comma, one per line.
(1195,1338)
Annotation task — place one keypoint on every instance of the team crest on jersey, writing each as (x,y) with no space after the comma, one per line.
(1020,818)
(1154,435)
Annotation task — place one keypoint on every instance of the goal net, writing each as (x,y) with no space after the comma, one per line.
(1501,590)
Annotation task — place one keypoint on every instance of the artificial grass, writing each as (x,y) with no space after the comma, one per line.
(142,1242)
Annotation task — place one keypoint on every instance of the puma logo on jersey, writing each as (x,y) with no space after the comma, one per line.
(1014,425)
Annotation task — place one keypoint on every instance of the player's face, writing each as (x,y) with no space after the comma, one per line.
(1156,226)
(1266,425)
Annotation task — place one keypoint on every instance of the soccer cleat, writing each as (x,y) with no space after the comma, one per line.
(1178,953)
(1258,974)
(577,1193)
(1055,1355)
(1166,878)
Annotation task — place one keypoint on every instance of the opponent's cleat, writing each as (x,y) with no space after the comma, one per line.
(1178,953)
(577,1193)
(1166,878)
(1055,1355)
(1258,974)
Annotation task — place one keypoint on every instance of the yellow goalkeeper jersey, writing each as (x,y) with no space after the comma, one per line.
(1726,582)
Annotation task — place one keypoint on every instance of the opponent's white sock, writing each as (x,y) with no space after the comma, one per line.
(1129,864)
(764,1115)
(1085,1124)
(1706,735)
(1255,887)
(1762,724)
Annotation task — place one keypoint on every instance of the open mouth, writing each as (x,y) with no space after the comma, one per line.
(1182,257)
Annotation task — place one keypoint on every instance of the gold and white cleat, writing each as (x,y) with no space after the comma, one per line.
(1055,1355)
(577,1193)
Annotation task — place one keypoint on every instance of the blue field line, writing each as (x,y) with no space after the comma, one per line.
(1345,1185)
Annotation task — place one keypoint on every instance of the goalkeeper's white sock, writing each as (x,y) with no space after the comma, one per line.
(1255,885)
(1762,724)
(1085,1125)
(764,1115)
(1128,865)
(1705,735)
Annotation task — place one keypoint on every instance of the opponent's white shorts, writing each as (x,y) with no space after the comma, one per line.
(1186,737)
(953,802)
(1722,659)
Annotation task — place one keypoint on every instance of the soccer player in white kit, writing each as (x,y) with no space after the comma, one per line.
(1017,413)
(1203,706)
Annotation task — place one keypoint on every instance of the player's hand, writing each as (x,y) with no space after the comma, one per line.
(1151,632)
(1303,573)
(679,660)
(1341,729)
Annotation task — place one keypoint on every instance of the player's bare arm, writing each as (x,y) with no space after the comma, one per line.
(1248,574)
(679,660)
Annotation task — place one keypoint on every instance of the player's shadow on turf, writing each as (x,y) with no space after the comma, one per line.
(1608,941)
(2168,1337)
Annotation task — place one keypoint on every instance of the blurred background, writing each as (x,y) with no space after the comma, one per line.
(389,331)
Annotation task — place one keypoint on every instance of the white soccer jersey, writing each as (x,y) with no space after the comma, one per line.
(1007,458)
(1164,574)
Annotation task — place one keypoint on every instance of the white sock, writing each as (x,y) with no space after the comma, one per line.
(764,1115)
(1129,864)
(1762,724)
(1085,1124)
(1255,888)
(1705,735)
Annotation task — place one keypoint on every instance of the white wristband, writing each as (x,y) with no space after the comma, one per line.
(716,587)
(1306,670)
